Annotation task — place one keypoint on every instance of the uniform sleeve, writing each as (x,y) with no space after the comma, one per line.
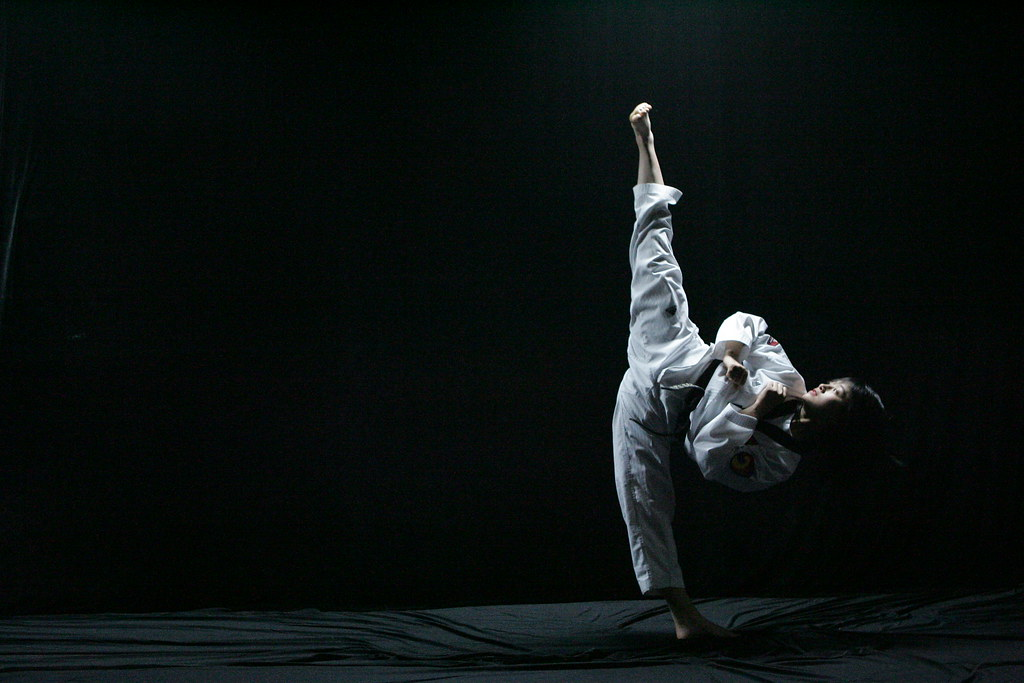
(741,327)
(761,354)
(724,451)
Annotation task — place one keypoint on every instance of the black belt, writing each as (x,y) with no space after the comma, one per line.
(780,435)
(695,392)
(705,376)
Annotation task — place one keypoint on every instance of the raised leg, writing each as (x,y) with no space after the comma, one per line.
(661,332)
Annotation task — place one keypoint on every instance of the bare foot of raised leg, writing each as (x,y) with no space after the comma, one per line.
(648,169)
(640,119)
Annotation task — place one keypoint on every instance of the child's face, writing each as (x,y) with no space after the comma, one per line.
(827,402)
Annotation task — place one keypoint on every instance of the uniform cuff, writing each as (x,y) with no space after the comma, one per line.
(656,191)
(718,351)
(732,414)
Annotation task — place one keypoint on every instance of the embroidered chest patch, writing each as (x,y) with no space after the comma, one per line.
(772,341)
(743,464)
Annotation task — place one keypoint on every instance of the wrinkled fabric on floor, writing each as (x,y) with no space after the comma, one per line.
(925,637)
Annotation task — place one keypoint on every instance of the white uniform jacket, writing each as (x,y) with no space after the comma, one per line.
(721,439)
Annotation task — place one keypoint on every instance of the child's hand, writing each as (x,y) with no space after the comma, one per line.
(773,394)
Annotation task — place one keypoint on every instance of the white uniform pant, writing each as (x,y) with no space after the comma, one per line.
(660,332)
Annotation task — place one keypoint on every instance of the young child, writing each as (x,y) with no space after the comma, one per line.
(740,409)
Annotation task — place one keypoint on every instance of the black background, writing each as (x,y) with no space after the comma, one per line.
(327,308)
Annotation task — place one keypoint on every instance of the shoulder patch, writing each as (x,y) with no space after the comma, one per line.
(772,341)
(743,464)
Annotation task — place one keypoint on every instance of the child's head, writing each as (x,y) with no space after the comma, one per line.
(844,411)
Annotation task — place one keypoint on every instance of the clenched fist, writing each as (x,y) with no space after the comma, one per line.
(734,371)
(771,396)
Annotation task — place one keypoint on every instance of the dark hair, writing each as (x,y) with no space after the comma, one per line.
(865,409)
(865,428)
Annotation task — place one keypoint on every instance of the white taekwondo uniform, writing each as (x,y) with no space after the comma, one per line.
(664,352)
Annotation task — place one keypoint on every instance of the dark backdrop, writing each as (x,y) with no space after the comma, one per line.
(327,309)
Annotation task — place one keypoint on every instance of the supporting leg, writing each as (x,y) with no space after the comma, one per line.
(647,499)
(688,621)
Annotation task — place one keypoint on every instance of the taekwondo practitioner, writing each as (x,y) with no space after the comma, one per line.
(739,408)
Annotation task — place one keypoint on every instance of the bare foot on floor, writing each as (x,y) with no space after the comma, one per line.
(688,621)
(693,627)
